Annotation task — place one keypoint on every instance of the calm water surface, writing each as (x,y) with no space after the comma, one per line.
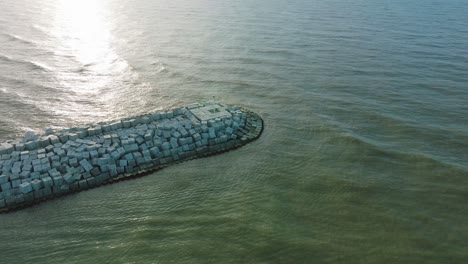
(364,158)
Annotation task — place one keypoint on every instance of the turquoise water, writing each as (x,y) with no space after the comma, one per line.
(364,158)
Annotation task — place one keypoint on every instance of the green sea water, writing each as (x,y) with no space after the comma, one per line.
(364,156)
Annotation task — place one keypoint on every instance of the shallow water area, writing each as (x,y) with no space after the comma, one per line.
(363,158)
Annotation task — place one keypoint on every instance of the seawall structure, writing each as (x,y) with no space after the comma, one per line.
(43,167)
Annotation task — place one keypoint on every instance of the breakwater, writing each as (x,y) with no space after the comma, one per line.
(41,167)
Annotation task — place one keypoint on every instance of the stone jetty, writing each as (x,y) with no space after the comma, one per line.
(42,167)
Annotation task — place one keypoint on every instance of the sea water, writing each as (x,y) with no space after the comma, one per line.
(364,156)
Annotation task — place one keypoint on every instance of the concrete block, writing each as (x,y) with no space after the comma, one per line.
(154,151)
(166,146)
(126,123)
(53,139)
(68,178)
(106,128)
(53,172)
(176,134)
(78,176)
(137,155)
(26,180)
(157,133)
(36,184)
(64,159)
(112,170)
(185,148)
(38,194)
(73,162)
(156,116)
(61,153)
(167,153)
(117,125)
(166,134)
(148,136)
(93,154)
(86,165)
(25,174)
(184,132)
(19,147)
(95,171)
(15,183)
(16,170)
(83,184)
(65,188)
(58,180)
(19,198)
(211,132)
(82,133)
(35,175)
(74,186)
(140,161)
(6,186)
(104,168)
(135,121)
(139,140)
(101,151)
(146,153)
(123,163)
(142,147)
(102,161)
(131,148)
(174,143)
(47,191)
(128,156)
(6,148)
(3,179)
(63,138)
(182,141)
(115,155)
(31,145)
(149,144)
(25,187)
(85,155)
(129,169)
(212,142)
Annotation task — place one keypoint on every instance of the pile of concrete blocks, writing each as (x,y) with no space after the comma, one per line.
(56,163)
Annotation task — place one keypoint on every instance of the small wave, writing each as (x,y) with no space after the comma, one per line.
(33,64)
(80,70)
(369,149)
(23,83)
(6,58)
(159,66)
(20,39)
(40,66)
(88,64)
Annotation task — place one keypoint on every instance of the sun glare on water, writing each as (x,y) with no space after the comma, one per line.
(84,30)
(89,63)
